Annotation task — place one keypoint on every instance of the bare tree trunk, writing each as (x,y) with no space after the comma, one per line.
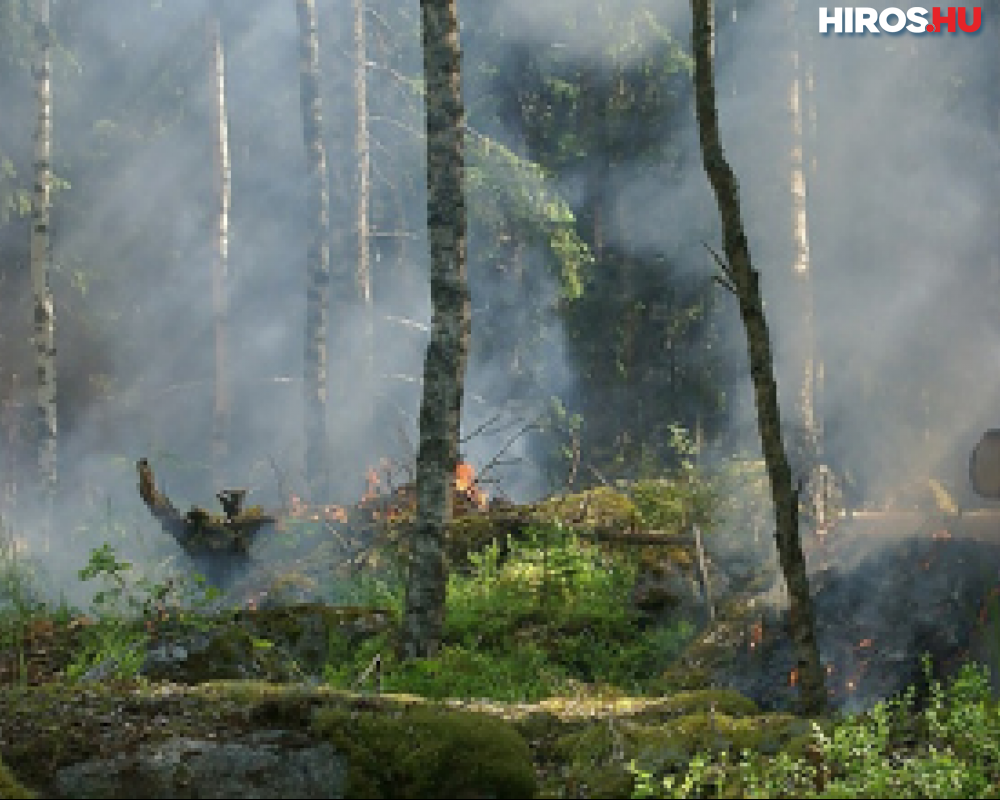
(744,281)
(318,256)
(802,264)
(41,257)
(363,152)
(220,263)
(444,365)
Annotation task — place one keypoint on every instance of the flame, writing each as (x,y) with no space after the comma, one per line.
(756,634)
(465,476)
(793,677)
(865,643)
(465,482)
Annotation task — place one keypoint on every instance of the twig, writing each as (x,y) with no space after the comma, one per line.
(600,477)
(376,665)
(508,444)
(479,429)
(703,569)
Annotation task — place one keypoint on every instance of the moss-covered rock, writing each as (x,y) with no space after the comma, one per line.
(429,752)
(10,788)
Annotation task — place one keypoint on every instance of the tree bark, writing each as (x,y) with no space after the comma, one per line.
(41,257)
(745,281)
(220,257)
(444,365)
(318,256)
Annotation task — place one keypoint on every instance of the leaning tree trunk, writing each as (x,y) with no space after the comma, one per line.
(744,281)
(318,255)
(220,261)
(45,344)
(444,365)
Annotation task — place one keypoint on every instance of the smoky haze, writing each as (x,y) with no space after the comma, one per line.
(903,244)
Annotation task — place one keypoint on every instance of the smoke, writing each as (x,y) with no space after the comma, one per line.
(903,247)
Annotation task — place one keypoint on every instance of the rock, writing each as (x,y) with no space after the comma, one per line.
(265,765)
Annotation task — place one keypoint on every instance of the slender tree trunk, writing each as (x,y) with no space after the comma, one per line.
(221,410)
(805,339)
(45,343)
(444,365)
(745,282)
(318,255)
(362,148)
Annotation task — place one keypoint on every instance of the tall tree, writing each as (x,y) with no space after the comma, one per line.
(45,343)
(806,370)
(220,260)
(447,351)
(318,255)
(362,147)
(744,282)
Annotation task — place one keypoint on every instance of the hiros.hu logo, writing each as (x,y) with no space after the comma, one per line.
(895,20)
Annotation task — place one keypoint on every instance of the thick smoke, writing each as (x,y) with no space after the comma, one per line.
(903,248)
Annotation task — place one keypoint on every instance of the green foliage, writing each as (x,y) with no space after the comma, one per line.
(505,186)
(128,608)
(949,749)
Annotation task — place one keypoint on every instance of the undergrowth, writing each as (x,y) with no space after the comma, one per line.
(950,748)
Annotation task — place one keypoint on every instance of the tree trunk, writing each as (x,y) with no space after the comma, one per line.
(45,344)
(744,280)
(318,256)
(220,261)
(444,365)
(362,148)
(805,339)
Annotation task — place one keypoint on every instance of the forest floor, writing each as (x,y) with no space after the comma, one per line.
(569,668)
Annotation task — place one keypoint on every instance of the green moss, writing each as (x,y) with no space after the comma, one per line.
(10,788)
(427,752)
(597,757)
(602,506)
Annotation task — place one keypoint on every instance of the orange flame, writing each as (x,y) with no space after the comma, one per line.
(793,677)
(465,476)
(465,482)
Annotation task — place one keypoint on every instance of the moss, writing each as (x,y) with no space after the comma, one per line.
(602,506)
(597,757)
(429,752)
(10,788)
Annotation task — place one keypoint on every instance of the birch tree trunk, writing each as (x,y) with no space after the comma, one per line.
(805,339)
(317,258)
(363,277)
(44,333)
(444,365)
(220,262)
(744,281)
